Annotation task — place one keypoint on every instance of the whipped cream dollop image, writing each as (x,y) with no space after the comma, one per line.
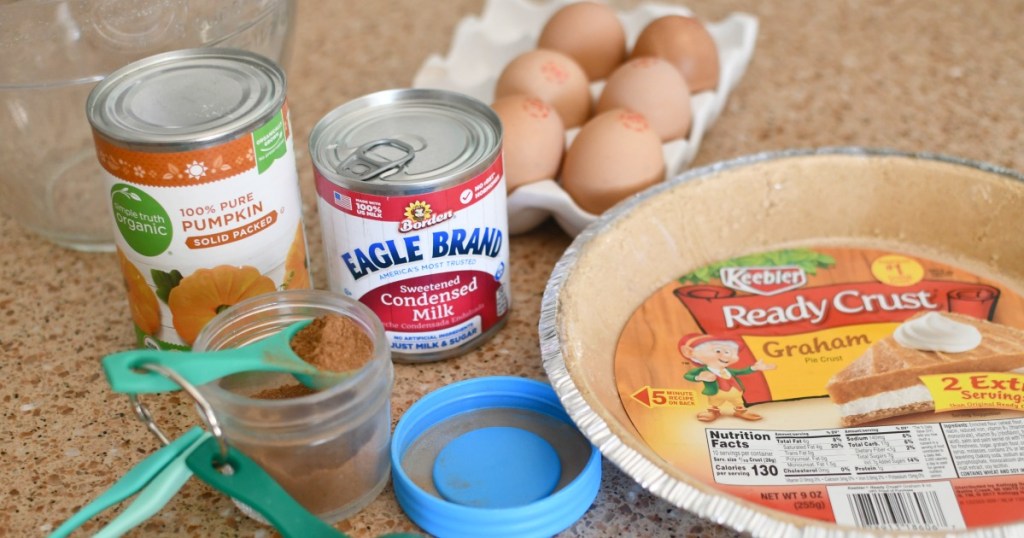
(935,332)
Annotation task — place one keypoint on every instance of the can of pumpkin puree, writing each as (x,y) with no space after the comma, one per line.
(412,205)
(197,150)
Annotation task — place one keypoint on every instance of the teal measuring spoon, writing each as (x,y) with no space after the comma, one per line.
(243,479)
(273,354)
(134,480)
(154,496)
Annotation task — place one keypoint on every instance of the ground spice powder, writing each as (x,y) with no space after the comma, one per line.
(285,392)
(333,343)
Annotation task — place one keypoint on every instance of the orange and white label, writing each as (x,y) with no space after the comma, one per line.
(202,229)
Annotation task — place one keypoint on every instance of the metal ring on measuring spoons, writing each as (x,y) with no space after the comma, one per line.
(146,417)
(205,409)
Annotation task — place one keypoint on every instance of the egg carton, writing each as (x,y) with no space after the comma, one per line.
(482,47)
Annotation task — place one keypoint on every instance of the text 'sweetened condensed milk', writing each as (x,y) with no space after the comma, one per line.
(204,190)
(412,202)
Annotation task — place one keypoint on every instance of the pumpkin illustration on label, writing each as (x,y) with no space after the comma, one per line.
(141,300)
(205,293)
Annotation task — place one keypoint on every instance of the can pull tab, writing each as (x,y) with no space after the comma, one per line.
(377,159)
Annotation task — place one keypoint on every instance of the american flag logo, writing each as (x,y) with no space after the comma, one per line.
(344,201)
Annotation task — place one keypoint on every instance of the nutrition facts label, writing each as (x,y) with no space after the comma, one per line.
(867,455)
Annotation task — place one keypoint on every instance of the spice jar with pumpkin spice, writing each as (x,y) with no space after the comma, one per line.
(327,448)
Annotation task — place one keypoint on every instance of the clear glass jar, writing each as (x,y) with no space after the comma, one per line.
(328,449)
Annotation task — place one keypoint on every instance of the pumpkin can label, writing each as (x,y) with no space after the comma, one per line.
(196,146)
(201,230)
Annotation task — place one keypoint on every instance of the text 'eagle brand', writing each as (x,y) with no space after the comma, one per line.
(394,252)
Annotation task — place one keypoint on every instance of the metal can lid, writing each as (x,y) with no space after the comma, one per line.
(493,456)
(187,98)
(405,141)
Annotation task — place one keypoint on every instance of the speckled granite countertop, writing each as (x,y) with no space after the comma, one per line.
(933,76)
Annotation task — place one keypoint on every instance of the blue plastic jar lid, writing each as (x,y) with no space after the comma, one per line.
(493,456)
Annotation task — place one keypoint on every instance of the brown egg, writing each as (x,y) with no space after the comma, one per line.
(615,154)
(553,77)
(654,88)
(686,44)
(533,139)
(589,33)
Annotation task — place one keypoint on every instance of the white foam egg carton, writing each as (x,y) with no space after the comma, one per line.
(483,45)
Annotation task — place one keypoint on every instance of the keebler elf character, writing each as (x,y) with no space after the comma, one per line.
(713,356)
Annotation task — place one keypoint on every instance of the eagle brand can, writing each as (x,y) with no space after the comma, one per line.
(197,149)
(412,205)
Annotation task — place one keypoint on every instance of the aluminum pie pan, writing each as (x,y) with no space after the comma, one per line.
(616,438)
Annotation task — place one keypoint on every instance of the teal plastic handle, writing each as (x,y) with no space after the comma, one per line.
(273,354)
(250,484)
(134,480)
(154,496)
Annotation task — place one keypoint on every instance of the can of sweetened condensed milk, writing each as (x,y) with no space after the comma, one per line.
(412,205)
(197,150)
